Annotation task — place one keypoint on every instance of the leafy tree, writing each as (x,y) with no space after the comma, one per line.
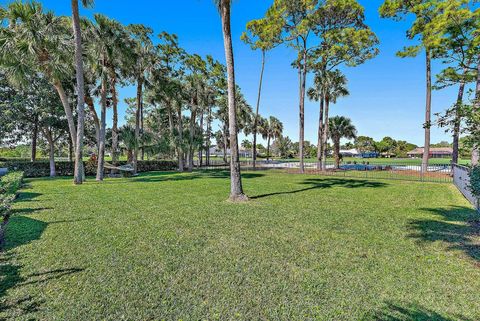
(340,127)
(365,144)
(262,34)
(424,12)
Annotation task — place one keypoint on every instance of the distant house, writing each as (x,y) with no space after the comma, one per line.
(435,152)
(218,152)
(349,152)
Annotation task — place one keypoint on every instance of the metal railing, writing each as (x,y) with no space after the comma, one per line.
(461,179)
(361,169)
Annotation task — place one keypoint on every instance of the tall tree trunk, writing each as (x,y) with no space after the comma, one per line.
(200,150)
(103,117)
(428,113)
(51,151)
(337,153)
(181,153)
(457,123)
(34,139)
(236,188)
(142,149)
(113,90)
(68,110)
(209,134)
(320,134)
(79,175)
(191,149)
(268,147)
(325,134)
(476,109)
(225,145)
(255,120)
(137,123)
(71,151)
(96,120)
(302,76)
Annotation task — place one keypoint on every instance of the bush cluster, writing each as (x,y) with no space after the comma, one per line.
(9,185)
(42,168)
(475,180)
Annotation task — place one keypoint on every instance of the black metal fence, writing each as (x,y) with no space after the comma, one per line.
(395,170)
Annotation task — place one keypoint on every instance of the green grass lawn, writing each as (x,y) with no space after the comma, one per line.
(169,246)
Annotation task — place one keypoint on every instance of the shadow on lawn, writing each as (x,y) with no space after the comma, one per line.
(12,278)
(396,312)
(186,176)
(456,225)
(321,183)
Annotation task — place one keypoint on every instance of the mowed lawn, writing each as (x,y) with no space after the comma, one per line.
(168,246)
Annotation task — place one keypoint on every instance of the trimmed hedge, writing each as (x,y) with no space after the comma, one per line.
(42,168)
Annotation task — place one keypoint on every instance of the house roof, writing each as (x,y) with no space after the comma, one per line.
(433,150)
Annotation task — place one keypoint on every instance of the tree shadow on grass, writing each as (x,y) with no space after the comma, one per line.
(27,197)
(22,230)
(171,176)
(412,312)
(322,183)
(457,226)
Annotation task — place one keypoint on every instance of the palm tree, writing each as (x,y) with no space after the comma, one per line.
(340,127)
(142,63)
(236,188)
(316,93)
(271,128)
(48,50)
(129,141)
(79,174)
(335,87)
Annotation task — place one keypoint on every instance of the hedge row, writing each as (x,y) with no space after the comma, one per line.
(42,168)
(9,185)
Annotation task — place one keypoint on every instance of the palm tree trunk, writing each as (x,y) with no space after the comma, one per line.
(34,139)
(71,151)
(101,149)
(114,121)
(325,134)
(268,148)
(255,120)
(137,124)
(428,114)
(181,153)
(96,121)
(191,150)
(79,175)
(320,134)
(68,110)
(236,188)
(225,144)
(142,149)
(209,134)
(51,151)
(200,150)
(303,76)
(337,153)
(457,123)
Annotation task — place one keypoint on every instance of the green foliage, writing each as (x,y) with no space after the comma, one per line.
(11,182)
(42,168)
(475,180)
(9,185)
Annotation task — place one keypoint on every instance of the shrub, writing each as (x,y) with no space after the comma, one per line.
(9,185)
(42,168)
(475,180)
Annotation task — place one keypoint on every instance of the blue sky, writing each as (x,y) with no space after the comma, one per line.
(387,94)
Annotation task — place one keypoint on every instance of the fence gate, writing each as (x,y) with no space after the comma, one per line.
(461,179)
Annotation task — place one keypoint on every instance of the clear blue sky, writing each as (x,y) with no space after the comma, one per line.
(387,94)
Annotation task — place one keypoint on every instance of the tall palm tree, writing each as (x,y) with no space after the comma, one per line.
(79,174)
(340,127)
(316,93)
(335,87)
(142,63)
(48,50)
(271,128)
(236,188)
